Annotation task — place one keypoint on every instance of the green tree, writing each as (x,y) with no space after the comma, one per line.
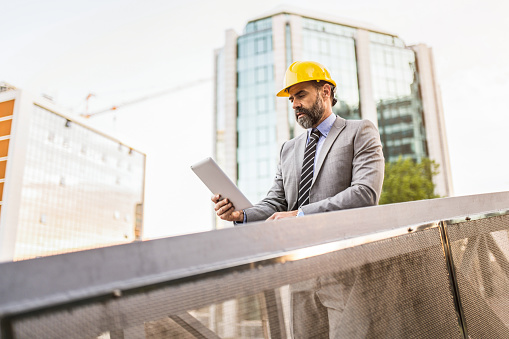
(408,180)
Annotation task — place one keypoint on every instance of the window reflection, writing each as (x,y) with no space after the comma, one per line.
(396,92)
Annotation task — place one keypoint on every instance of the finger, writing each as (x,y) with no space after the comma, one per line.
(220,204)
(272,217)
(223,209)
(227,207)
(229,212)
(219,209)
(226,215)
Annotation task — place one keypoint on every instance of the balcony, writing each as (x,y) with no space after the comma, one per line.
(425,269)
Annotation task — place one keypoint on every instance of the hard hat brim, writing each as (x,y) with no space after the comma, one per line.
(285,91)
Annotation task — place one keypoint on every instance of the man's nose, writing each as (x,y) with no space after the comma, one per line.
(295,104)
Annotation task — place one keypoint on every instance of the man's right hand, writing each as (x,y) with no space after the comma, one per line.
(225,209)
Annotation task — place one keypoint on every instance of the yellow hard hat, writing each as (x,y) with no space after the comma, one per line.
(301,71)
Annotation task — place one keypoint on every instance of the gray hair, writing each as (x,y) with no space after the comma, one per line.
(319,84)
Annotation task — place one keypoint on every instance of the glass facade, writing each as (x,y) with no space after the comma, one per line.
(333,45)
(289,59)
(220,110)
(257,151)
(396,93)
(80,189)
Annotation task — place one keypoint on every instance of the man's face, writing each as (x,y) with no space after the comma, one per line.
(308,105)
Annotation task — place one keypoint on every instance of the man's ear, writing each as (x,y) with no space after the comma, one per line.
(326,91)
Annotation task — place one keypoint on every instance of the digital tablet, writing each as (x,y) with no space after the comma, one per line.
(218,183)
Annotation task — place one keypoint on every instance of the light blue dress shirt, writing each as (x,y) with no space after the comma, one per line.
(324,129)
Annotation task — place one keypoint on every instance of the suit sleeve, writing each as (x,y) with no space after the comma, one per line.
(274,202)
(367,174)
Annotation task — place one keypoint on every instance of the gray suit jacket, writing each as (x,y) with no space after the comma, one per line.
(348,174)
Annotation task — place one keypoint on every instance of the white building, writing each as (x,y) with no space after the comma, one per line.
(63,186)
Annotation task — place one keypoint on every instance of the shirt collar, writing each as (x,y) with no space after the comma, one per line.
(325,126)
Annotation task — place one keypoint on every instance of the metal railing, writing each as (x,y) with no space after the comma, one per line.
(424,269)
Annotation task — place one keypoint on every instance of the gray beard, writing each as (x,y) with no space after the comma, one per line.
(311,116)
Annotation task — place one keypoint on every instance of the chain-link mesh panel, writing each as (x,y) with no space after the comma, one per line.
(480,251)
(394,288)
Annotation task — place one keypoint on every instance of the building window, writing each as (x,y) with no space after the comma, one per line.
(261,74)
(261,104)
(324,46)
(261,45)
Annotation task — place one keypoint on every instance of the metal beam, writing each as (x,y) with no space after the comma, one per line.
(193,326)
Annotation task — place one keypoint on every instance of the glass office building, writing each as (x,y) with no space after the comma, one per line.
(379,78)
(65,186)
(255,112)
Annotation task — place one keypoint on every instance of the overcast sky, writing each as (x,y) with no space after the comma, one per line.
(123,50)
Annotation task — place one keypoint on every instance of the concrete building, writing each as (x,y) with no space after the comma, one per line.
(63,186)
(379,78)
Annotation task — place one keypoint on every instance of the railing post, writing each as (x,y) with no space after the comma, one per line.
(453,281)
(274,309)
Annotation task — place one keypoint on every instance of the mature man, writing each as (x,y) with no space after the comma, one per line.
(337,164)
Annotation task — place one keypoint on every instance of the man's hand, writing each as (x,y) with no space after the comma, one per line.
(225,209)
(282,215)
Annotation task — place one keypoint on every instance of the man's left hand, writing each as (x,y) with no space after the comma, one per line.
(282,215)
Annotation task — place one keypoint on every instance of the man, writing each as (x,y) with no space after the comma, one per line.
(348,162)
(337,164)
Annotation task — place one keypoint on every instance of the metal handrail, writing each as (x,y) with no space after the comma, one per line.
(96,272)
(30,285)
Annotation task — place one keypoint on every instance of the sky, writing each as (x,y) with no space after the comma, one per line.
(122,50)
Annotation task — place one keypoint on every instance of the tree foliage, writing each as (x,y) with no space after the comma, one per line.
(408,180)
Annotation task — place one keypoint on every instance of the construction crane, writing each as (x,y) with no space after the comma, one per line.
(146,97)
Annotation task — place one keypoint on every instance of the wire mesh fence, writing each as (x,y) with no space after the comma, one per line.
(392,282)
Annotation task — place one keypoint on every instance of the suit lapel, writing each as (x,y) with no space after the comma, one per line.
(337,127)
(300,146)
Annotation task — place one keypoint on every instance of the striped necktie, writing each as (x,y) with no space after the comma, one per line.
(306,176)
